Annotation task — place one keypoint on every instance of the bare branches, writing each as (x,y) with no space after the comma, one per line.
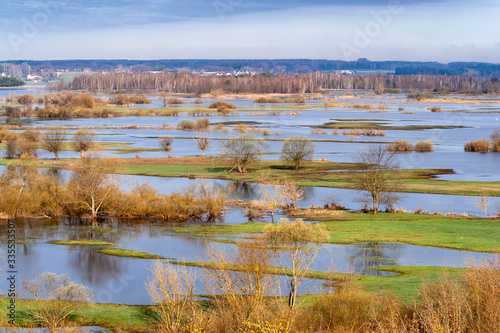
(83,141)
(56,298)
(243,150)
(166,144)
(296,245)
(203,141)
(378,175)
(297,149)
(172,291)
(53,141)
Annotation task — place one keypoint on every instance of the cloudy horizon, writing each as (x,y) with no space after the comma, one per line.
(417,30)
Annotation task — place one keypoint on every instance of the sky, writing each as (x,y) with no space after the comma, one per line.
(412,30)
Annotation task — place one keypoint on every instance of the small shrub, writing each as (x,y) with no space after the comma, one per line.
(495,146)
(186,125)
(481,146)
(216,105)
(400,145)
(201,124)
(198,101)
(174,100)
(6,135)
(420,96)
(139,99)
(424,146)
(435,109)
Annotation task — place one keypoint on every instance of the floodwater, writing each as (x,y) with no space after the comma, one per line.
(122,280)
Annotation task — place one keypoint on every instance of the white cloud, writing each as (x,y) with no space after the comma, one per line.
(418,32)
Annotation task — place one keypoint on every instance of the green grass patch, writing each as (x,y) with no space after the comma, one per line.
(85,242)
(461,233)
(113,316)
(128,253)
(222,229)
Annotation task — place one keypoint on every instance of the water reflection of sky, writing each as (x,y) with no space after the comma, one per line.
(122,280)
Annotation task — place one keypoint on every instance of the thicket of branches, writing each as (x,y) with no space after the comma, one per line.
(94,191)
(270,83)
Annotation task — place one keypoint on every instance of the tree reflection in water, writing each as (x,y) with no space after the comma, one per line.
(368,256)
(96,269)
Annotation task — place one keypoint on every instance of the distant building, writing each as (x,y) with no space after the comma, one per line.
(4,75)
(35,78)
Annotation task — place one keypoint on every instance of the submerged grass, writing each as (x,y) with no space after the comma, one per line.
(85,242)
(311,173)
(453,232)
(128,253)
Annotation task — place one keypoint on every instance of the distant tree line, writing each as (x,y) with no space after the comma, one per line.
(10,82)
(278,83)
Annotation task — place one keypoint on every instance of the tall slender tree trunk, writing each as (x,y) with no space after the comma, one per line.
(293,293)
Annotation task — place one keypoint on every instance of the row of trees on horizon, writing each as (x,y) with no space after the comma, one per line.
(280,83)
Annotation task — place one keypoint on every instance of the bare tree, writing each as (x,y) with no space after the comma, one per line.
(379,173)
(272,194)
(172,291)
(297,149)
(83,141)
(53,141)
(56,298)
(296,245)
(242,150)
(163,97)
(203,141)
(93,185)
(166,144)
(482,203)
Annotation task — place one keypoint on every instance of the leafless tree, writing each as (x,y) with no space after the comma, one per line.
(482,203)
(378,175)
(296,245)
(242,150)
(297,149)
(55,299)
(163,97)
(203,141)
(171,289)
(83,141)
(166,144)
(53,141)
(93,185)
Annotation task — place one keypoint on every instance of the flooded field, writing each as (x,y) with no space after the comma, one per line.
(122,280)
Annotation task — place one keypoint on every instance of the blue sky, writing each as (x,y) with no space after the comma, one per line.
(442,30)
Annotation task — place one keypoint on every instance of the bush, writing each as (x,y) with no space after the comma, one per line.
(186,125)
(349,309)
(216,105)
(174,100)
(424,146)
(6,135)
(435,109)
(481,146)
(201,124)
(120,100)
(264,99)
(421,96)
(495,146)
(140,99)
(400,145)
